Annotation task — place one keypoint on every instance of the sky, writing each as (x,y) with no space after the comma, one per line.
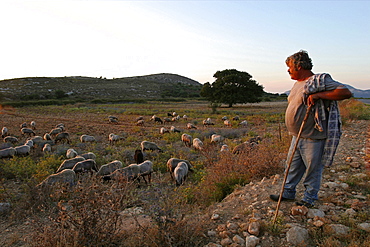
(195,39)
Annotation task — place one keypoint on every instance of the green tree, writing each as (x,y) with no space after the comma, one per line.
(231,87)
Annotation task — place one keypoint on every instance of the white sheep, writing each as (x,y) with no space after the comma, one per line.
(33,125)
(215,138)
(62,137)
(128,173)
(163,130)
(29,143)
(89,155)
(37,140)
(227,123)
(224,148)
(207,122)
(84,166)
(11,139)
(167,120)
(71,153)
(56,131)
(109,168)
(22,150)
(190,126)
(198,144)
(146,145)
(243,123)
(66,176)
(113,138)
(27,131)
(180,173)
(185,117)
(113,119)
(69,163)
(7,152)
(46,148)
(187,139)
(47,137)
(140,122)
(4,132)
(174,129)
(146,170)
(87,138)
(173,162)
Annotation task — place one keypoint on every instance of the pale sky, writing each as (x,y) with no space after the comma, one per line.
(115,39)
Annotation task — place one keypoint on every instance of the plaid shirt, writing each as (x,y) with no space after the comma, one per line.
(317,84)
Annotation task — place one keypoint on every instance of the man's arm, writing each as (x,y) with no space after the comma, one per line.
(339,93)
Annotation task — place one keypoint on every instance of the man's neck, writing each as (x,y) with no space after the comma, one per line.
(305,75)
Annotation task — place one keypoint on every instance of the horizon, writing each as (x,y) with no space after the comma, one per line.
(194,39)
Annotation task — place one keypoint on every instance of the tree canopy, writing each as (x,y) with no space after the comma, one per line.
(231,87)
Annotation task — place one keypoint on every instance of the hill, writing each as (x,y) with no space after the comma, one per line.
(78,87)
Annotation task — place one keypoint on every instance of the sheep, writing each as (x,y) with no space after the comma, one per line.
(66,176)
(224,148)
(138,156)
(146,145)
(33,125)
(37,140)
(187,139)
(70,163)
(180,173)
(255,139)
(29,143)
(61,125)
(227,123)
(185,117)
(87,138)
(23,125)
(7,152)
(236,118)
(224,118)
(191,126)
(113,119)
(55,131)
(139,118)
(109,168)
(245,147)
(146,170)
(71,153)
(174,114)
(157,119)
(22,150)
(129,173)
(140,122)
(174,129)
(167,120)
(84,166)
(47,137)
(4,132)
(46,148)
(207,122)
(27,131)
(113,138)
(62,137)
(198,144)
(173,162)
(163,130)
(215,138)
(89,155)
(11,139)
(243,123)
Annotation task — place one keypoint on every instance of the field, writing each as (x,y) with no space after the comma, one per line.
(96,213)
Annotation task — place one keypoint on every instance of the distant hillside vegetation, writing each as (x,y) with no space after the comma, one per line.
(77,87)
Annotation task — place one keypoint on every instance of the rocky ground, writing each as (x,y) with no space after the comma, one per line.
(244,218)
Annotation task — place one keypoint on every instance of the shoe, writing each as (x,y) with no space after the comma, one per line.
(276,198)
(303,203)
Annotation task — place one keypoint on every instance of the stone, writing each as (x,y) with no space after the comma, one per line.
(215,216)
(212,245)
(337,229)
(226,241)
(239,240)
(254,228)
(4,208)
(251,241)
(211,233)
(297,235)
(312,212)
(299,210)
(364,226)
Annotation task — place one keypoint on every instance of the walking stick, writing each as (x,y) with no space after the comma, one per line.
(290,161)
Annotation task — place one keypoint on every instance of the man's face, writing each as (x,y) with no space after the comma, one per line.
(293,71)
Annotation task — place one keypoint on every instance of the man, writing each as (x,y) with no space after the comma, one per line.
(321,132)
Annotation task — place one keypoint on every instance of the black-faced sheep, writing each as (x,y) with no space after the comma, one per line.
(198,144)
(180,173)
(236,118)
(173,162)
(88,165)
(109,168)
(187,139)
(146,145)
(62,137)
(7,152)
(70,163)
(146,170)
(23,125)
(138,156)
(87,138)
(157,119)
(27,131)
(71,153)
(66,176)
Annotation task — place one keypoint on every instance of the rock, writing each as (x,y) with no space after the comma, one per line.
(232,226)
(364,226)
(211,233)
(297,235)
(299,210)
(251,241)
(254,228)
(215,217)
(318,223)
(239,240)
(226,241)
(337,229)
(212,245)
(312,212)
(4,208)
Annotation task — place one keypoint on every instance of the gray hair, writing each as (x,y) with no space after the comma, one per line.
(300,58)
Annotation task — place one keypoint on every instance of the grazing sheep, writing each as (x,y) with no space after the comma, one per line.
(11,139)
(37,140)
(113,138)
(198,144)
(191,126)
(55,131)
(180,173)
(173,162)
(113,119)
(236,118)
(85,166)
(47,137)
(71,153)
(244,147)
(62,137)
(215,138)
(163,130)
(4,132)
(109,168)
(207,122)
(185,117)
(224,148)
(139,118)
(128,173)
(157,119)
(174,114)
(23,125)
(187,139)
(146,145)
(22,150)
(89,155)
(46,148)
(27,131)
(255,139)
(146,170)
(7,152)
(138,156)
(61,125)
(29,143)
(33,125)
(66,176)
(243,123)
(70,163)
(87,138)
(140,122)
(227,123)
(167,120)
(174,129)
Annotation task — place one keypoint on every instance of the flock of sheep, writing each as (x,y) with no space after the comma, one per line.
(75,163)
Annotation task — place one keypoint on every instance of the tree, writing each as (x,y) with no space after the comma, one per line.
(231,87)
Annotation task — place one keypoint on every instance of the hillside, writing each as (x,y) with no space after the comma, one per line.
(77,87)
